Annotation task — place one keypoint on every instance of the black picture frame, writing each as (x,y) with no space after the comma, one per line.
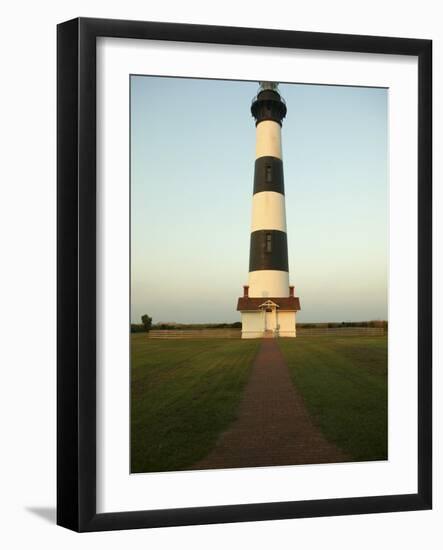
(76,266)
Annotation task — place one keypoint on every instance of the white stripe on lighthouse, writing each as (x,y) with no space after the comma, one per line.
(268,139)
(268,211)
(268,283)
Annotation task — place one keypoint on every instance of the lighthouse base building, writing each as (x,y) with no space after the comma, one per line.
(268,306)
(268,317)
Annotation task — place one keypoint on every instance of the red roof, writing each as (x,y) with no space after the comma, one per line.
(291,303)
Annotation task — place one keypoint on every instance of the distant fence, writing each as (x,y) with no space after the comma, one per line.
(195,333)
(236,333)
(342,331)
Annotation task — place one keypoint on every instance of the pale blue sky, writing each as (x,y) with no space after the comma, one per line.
(192,165)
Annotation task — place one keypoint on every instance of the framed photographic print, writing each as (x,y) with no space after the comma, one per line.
(244,274)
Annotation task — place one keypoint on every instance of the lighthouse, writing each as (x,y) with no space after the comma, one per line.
(268,306)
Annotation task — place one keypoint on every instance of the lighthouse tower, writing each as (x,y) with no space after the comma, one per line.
(268,306)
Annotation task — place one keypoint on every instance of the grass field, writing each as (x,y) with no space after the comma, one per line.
(343,381)
(184,393)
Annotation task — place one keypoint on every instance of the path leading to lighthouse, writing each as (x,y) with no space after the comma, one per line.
(273,427)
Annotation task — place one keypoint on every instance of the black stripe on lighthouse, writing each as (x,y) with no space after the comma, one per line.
(268,175)
(268,250)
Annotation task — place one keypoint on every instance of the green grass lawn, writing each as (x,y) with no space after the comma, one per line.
(184,393)
(343,381)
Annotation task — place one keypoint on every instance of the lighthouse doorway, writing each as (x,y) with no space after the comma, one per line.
(269,317)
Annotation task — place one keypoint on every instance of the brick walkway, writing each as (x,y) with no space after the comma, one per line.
(273,427)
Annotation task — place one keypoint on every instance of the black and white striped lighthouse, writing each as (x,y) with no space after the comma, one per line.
(268,305)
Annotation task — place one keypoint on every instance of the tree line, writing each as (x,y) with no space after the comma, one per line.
(146,325)
(379,324)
